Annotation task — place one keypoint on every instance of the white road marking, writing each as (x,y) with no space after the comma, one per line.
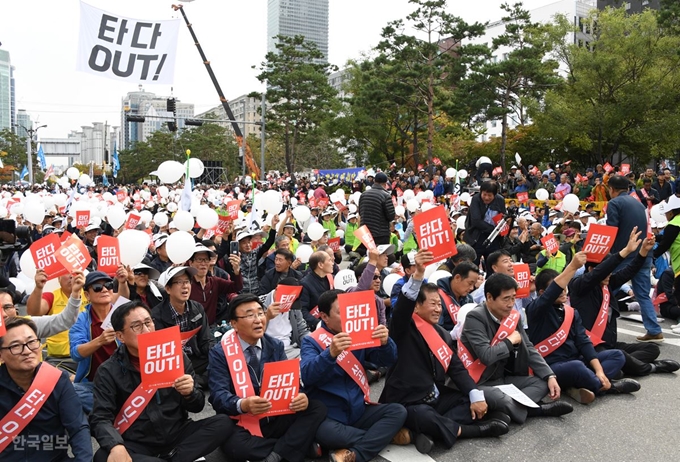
(407,453)
(675,341)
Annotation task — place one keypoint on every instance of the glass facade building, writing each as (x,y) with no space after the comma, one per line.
(298,17)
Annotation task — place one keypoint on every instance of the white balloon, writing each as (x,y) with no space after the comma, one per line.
(542,194)
(73,173)
(303,252)
(3,212)
(412,205)
(133,246)
(315,231)
(29,282)
(345,279)
(163,191)
(389,282)
(27,264)
(271,201)
(172,207)
(409,194)
(293,202)
(60,199)
(161,219)
(116,216)
(460,223)
(302,213)
(340,233)
(427,206)
(17,209)
(657,214)
(462,174)
(180,246)
(34,212)
(450,172)
(430,270)
(170,171)
(18,285)
(84,179)
(207,218)
(437,275)
(352,208)
(465,197)
(399,210)
(570,203)
(48,202)
(107,196)
(196,167)
(146,217)
(184,220)
(146,195)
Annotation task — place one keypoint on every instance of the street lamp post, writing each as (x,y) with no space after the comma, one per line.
(31,132)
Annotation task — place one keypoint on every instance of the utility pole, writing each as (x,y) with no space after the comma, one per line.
(31,132)
(245,140)
(262,139)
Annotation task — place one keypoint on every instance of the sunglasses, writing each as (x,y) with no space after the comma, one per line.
(98,287)
(376,277)
(141,273)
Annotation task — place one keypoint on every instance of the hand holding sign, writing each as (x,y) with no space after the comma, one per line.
(359,318)
(599,241)
(365,236)
(434,233)
(550,243)
(523,278)
(184,385)
(281,385)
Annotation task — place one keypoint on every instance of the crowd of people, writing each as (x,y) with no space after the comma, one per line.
(462,355)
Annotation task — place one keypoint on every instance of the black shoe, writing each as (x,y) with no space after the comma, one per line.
(372,375)
(556,409)
(619,375)
(493,428)
(624,386)
(499,416)
(423,443)
(314,451)
(666,365)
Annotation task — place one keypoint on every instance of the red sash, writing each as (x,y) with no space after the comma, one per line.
(29,405)
(347,361)
(451,305)
(600,324)
(315,311)
(435,343)
(243,386)
(647,198)
(476,368)
(133,408)
(552,343)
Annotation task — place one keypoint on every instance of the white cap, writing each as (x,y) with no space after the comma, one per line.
(387,249)
(201,248)
(173,271)
(584,215)
(243,234)
(153,272)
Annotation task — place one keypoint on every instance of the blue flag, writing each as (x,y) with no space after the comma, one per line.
(41,158)
(105,180)
(116,163)
(24,172)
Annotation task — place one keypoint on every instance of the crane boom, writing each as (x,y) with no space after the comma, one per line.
(240,140)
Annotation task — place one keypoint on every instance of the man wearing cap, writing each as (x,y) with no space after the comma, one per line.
(178,310)
(205,288)
(158,428)
(625,213)
(283,268)
(142,284)
(317,281)
(377,210)
(160,260)
(328,223)
(91,342)
(484,210)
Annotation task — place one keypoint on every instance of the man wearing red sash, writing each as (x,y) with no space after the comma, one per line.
(496,346)
(270,439)
(559,336)
(455,292)
(132,423)
(355,430)
(39,420)
(425,361)
(587,293)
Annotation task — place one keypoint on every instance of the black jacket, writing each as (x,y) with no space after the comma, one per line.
(312,287)
(159,424)
(271,279)
(200,343)
(377,211)
(416,371)
(476,229)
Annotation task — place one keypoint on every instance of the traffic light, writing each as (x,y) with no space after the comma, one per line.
(135,118)
(172,126)
(193,122)
(172,105)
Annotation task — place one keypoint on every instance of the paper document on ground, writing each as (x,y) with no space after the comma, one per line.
(516,394)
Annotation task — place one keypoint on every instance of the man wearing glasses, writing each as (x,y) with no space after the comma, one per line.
(91,343)
(269,439)
(24,380)
(161,429)
(189,315)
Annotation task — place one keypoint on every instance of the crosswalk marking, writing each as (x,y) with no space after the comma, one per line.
(407,453)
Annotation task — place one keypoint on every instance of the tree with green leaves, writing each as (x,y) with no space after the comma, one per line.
(12,153)
(298,91)
(620,97)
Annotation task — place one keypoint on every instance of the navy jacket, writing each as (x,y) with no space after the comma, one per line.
(57,418)
(445,320)
(544,319)
(625,212)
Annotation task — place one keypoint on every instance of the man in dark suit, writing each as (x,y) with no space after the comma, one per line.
(417,380)
(283,268)
(505,359)
(484,207)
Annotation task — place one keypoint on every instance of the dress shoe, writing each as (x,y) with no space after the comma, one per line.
(624,386)
(492,428)
(656,338)
(581,395)
(556,409)
(342,455)
(403,437)
(372,376)
(314,450)
(666,365)
(498,415)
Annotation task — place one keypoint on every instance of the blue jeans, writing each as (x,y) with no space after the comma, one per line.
(641,287)
(84,392)
(576,374)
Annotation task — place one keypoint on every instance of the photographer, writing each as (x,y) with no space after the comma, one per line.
(480,222)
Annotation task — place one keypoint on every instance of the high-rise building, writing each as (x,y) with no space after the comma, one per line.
(245,108)
(96,141)
(24,122)
(298,17)
(7,98)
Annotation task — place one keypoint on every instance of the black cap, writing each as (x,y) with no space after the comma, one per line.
(380,177)
(95,276)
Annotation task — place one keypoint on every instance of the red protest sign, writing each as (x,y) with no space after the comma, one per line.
(82,218)
(3,329)
(323,202)
(280,385)
(532,208)
(108,253)
(608,167)
(161,360)
(550,243)
(44,252)
(523,277)
(286,296)
(73,254)
(497,171)
(312,202)
(65,235)
(625,169)
(138,205)
(222,224)
(364,235)
(339,206)
(434,233)
(334,244)
(121,195)
(232,209)
(505,229)
(559,195)
(534,171)
(132,221)
(523,197)
(359,317)
(599,241)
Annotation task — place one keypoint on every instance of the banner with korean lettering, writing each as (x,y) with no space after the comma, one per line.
(232,209)
(599,241)
(73,254)
(286,296)
(108,253)
(44,252)
(132,221)
(334,244)
(161,360)
(359,317)
(127,49)
(522,275)
(550,243)
(341,174)
(82,218)
(280,385)
(434,233)
(364,235)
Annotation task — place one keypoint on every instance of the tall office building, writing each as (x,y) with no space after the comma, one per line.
(7,98)
(298,17)
(24,122)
